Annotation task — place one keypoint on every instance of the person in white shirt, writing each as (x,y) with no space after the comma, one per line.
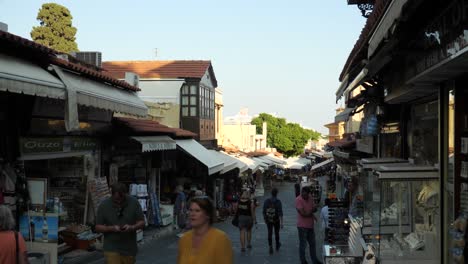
(324,217)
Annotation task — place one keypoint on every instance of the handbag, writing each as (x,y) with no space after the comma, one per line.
(235,221)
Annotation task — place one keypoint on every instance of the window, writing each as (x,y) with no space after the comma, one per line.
(193,89)
(193,111)
(189,100)
(184,111)
(185,89)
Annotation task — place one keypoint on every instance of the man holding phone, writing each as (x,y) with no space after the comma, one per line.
(118,218)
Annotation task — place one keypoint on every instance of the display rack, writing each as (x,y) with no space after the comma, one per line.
(338,223)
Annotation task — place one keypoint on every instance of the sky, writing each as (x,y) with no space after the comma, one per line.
(281,57)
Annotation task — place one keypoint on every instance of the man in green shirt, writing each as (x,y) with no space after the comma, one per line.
(118,218)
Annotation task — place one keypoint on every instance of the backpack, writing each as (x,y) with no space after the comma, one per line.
(271,214)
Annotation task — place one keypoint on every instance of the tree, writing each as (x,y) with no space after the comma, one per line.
(287,138)
(56,30)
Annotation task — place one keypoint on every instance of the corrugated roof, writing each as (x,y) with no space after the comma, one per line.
(48,56)
(160,69)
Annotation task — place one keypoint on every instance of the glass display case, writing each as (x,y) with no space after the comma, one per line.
(368,183)
(340,255)
(407,215)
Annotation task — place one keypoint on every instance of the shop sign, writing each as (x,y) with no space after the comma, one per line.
(443,38)
(53,145)
(365,144)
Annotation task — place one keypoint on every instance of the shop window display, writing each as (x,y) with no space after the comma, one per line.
(408,214)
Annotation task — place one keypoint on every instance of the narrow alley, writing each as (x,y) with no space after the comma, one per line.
(164,250)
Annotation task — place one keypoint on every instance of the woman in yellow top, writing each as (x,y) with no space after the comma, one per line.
(204,244)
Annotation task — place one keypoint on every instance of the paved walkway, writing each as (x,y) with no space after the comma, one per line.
(164,250)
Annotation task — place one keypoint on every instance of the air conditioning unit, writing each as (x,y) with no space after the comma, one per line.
(3,27)
(132,78)
(90,57)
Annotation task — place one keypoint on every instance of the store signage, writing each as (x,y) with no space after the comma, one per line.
(53,145)
(365,144)
(445,37)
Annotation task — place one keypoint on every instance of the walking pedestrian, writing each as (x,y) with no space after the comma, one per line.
(306,208)
(324,218)
(118,218)
(204,243)
(12,245)
(246,213)
(179,207)
(273,215)
(297,186)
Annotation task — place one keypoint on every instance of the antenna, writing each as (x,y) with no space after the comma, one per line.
(155,53)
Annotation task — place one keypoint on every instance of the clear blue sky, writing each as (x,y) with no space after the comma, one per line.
(271,56)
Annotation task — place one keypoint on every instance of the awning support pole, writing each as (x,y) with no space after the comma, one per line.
(71,103)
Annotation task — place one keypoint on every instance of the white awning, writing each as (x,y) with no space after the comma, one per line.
(100,95)
(230,163)
(196,150)
(323,163)
(344,115)
(263,162)
(342,87)
(252,165)
(276,160)
(389,18)
(21,76)
(154,143)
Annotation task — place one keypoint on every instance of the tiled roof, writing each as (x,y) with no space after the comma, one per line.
(143,126)
(359,51)
(93,74)
(48,56)
(342,143)
(160,69)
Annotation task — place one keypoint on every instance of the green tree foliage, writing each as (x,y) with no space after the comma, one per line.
(56,30)
(287,138)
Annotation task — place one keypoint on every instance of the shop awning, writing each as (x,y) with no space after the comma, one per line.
(155,143)
(199,152)
(271,157)
(103,96)
(251,164)
(20,76)
(343,116)
(230,163)
(342,87)
(263,162)
(391,15)
(321,164)
(342,143)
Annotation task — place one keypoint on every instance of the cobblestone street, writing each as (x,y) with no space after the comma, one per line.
(164,250)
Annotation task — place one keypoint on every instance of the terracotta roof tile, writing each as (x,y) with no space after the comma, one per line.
(359,51)
(48,56)
(160,69)
(143,126)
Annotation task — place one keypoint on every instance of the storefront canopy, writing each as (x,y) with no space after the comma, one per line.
(196,150)
(263,162)
(155,143)
(343,116)
(321,164)
(230,163)
(271,157)
(251,164)
(21,76)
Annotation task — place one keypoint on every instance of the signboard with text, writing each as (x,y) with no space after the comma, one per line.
(59,144)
